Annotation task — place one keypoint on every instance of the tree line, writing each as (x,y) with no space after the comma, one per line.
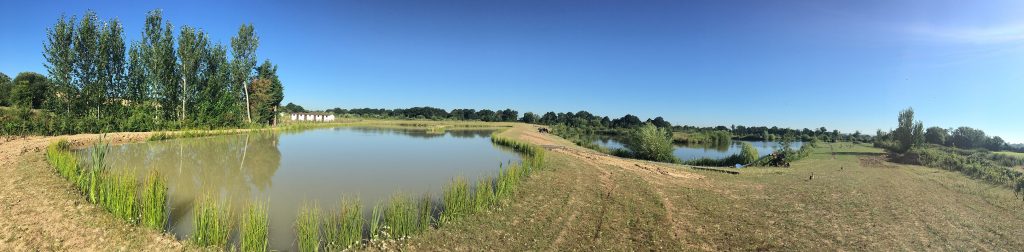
(910,134)
(97,82)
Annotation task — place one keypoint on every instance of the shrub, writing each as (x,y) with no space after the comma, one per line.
(651,143)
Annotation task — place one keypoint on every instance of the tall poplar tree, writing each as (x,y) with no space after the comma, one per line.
(60,62)
(243,48)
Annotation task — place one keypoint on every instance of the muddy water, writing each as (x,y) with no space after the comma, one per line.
(320,165)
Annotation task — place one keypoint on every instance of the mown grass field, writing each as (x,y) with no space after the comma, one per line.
(591,201)
(855,201)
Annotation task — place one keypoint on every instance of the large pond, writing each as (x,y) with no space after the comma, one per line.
(697,151)
(321,165)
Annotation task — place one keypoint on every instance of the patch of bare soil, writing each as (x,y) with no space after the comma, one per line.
(41,211)
(874,162)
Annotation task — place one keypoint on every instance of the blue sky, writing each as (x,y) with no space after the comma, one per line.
(847,65)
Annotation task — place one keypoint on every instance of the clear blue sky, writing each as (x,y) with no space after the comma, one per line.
(847,65)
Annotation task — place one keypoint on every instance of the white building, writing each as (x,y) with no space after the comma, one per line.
(312,117)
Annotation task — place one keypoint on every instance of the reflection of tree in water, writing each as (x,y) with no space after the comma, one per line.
(235,167)
(420,133)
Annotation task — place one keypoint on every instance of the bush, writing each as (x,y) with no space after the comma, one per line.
(651,143)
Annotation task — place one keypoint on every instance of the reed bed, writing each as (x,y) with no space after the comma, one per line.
(377,222)
(457,201)
(153,207)
(400,216)
(211,223)
(307,227)
(484,194)
(426,212)
(117,194)
(343,228)
(254,230)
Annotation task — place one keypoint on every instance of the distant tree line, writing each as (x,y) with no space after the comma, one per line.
(910,134)
(97,82)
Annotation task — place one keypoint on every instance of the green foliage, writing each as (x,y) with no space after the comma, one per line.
(307,227)
(976,164)
(254,229)
(936,135)
(651,143)
(457,201)
(154,201)
(211,223)
(29,90)
(425,212)
(343,228)
(118,191)
(484,194)
(400,217)
(748,153)
(94,87)
(377,221)
(909,133)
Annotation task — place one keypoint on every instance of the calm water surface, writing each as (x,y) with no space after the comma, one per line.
(696,151)
(317,165)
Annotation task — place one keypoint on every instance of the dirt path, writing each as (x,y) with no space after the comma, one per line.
(41,211)
(659,175)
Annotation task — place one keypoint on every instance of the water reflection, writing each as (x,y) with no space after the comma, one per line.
(314,165)
(708,150)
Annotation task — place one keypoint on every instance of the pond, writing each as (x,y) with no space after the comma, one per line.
(696,151)
(322,165)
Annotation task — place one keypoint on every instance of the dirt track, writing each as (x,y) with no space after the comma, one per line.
(41,211)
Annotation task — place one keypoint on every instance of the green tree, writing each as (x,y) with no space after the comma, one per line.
(160,61)
(111,67)
(266,93)
(936,135)
(192,46)
(908,133)
(748,153)
(651,143)
(87,63)
(530,117)
(243,47)
(5,89)
(30,90)
(968,138)
(60,62)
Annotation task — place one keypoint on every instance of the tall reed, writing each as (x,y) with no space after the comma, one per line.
(343,228)
(377,222)
(154,201)
(117,194)
(456,200)
(254,229)
(211,223)
(400,216)
(426,212)
(484,195)
(307,227)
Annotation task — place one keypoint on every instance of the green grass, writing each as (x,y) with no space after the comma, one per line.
(1012,154)
(377,222)
(153,207)
(211,223)
(457,201)
(400,216)
(343,228)
(484,194)
(254,228)
(117,194)
(307,227)
(425,212)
